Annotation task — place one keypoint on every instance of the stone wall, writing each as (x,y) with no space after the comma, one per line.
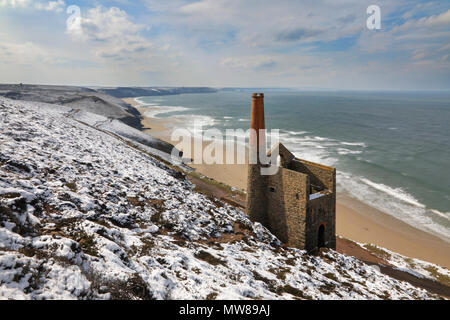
(321,211)
(257,195)
(320,175)
(287,195)
(281,203)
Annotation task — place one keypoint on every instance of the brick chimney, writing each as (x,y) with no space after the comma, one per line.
(256,183)
(257,120)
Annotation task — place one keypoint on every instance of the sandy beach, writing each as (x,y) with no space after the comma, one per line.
(354,219)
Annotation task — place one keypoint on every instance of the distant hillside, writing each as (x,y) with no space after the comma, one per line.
(85,99)
(92,107)
(131,92)
(99,100)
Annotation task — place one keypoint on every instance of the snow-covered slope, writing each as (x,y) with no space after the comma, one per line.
(416,267)
(84,215)
(95,108)
(76,97)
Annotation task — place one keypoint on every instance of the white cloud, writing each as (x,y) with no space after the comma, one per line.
(420,41)
(20,53)
(265,23)
(375,42)
(238,43)
(101,24)
(112,33)
(15,3)
(26,54)
(436,20)
(57,6)
(252,62)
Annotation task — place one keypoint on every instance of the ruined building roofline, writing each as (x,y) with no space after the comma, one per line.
(319,165)
(288,157)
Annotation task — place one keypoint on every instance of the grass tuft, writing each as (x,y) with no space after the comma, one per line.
(206,256)
(377,251)
(442,278)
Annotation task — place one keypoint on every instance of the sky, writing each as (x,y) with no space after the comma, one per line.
(312,44)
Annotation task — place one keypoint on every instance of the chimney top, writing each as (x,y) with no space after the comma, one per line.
(255,95)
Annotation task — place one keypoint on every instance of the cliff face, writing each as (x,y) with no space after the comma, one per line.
(84,214)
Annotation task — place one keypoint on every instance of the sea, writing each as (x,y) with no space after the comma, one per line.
(391,149)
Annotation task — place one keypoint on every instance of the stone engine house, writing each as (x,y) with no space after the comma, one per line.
(298,203)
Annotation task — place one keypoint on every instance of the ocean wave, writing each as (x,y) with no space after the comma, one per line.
(312,153)
(140,101)
(365,160)
(156,110)
(322,139)
(295,133)
(443,215)
(397,203)
(193,123)
(356,144)
(398,193)
(296,139)
(343,151)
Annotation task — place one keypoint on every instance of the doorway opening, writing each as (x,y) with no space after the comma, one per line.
(321,237)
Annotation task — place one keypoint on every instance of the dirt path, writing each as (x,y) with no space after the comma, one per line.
(219,191)
(350,248)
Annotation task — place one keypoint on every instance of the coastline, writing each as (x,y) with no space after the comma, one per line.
(354,219)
